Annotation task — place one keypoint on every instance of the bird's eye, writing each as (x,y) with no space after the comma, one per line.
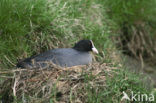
(90,43)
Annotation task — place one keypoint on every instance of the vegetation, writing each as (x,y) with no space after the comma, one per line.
(19,22)
(135,20)
(30,27)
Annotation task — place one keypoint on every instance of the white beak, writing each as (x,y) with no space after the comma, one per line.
(93,48)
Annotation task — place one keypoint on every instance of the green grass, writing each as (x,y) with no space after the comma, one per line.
(32,26)
(123,80)
(117,81)
(29,27)
(130,11)
(19,20)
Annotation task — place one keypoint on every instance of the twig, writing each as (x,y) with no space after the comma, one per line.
(9,61)
(6,77)
(14,86)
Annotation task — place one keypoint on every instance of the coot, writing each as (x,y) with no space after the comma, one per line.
(64,57)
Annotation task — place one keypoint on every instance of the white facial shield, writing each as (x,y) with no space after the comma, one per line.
(93,48)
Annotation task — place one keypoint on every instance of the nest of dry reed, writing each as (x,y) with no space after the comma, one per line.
(58,84)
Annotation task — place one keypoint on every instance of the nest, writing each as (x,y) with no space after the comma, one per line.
(60,85)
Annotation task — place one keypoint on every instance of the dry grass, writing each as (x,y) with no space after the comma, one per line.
(137,42)
(58,84)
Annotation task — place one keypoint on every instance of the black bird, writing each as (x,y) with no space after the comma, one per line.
(64,57)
